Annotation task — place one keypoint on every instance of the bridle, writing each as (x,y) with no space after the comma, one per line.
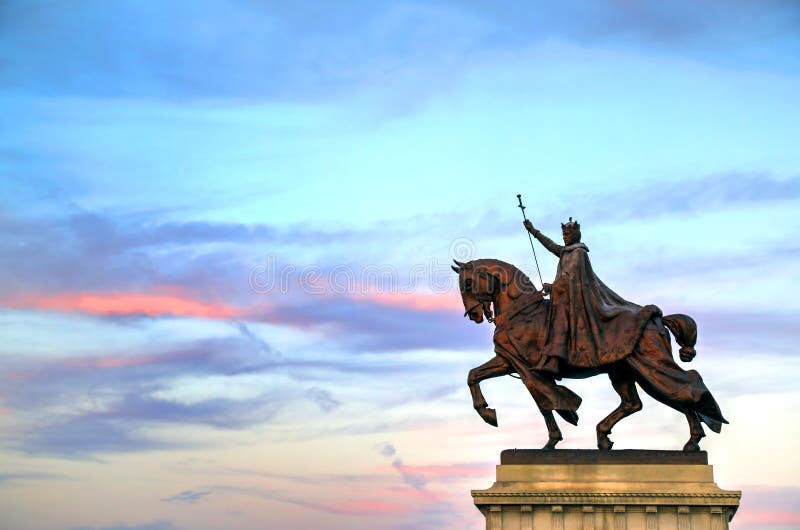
(483,302)
(485,299)
(468,311)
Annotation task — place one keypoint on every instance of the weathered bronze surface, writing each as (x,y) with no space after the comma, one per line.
(584,329)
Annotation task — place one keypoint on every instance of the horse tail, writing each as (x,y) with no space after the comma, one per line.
(684,328)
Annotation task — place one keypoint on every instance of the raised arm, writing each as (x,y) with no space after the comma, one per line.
(548,243)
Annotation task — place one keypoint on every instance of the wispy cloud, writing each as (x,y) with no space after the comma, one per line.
(414,479)
(154,525)
(189,496)
(387,450)
(646,199)
(8,478)
(368,326)
(410,477)
(708,193)
(442,473)
(139,193)
(362,506)
(402,43)
(83,437)
(129,304)
(116,397)
(323,399)
(769,507)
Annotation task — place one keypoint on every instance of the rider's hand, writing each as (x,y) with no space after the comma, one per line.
(547,288)
(529,226)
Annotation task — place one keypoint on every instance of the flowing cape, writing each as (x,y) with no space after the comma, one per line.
(588,323)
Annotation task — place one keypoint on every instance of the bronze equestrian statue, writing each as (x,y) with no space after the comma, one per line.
(584,329)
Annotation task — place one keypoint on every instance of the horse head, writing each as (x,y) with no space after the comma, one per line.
(482,281)
(477,290)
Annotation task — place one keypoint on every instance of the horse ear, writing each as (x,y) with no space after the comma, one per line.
(458,271)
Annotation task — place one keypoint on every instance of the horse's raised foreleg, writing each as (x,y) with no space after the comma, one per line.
(696,432)
(493,368)
(630,403)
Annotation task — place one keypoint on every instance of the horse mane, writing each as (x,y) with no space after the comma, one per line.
(512,278)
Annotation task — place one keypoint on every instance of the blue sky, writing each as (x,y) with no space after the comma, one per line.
(157,160)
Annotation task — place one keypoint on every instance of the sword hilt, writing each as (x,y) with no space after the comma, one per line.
(521,206)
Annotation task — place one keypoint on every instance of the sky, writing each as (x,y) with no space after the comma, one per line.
(226,230)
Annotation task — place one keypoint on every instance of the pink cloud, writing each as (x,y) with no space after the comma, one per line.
(417,301)
(112,362)
(125,304)
(457,471)
(360,507)
(762,518)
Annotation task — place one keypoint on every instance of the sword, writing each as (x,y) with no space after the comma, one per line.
(530,239)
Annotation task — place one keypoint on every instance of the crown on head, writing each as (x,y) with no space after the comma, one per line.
(569,225)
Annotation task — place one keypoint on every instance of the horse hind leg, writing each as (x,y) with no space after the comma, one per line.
(630,403)
(554,433)
(696,432)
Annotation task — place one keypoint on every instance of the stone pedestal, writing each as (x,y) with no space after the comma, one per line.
(605,490)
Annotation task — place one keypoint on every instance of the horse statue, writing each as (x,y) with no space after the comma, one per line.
(504,295)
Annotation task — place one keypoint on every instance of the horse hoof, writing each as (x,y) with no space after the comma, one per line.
(603,443)
(489,416)
(691,446)
(551,443)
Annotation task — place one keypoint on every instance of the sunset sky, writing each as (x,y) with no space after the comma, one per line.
(226,230)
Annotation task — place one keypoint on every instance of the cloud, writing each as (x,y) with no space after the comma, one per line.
(7,478)
(710,32)
(154,525)
(262,344)
(116,398)
(122,270)
(361,506)
(121,400)
(406,49)
(708,193)
(323,398)
(412,478)
(368,326)
(451,472)
(108,257)
(82,437)
(104,273)
(261,58)
(40,381)
(387,450)
(744,329)
(769,507)
(120,427)
(187,496)
(125,304)
(649,199)
(355,506)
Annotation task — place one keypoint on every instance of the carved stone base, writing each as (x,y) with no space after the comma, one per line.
(605,490)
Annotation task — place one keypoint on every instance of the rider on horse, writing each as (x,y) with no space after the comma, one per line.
(585,329)
(589,324)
